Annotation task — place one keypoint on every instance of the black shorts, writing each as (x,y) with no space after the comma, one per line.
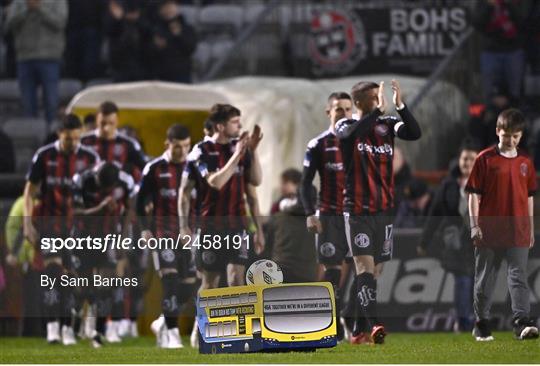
(179,259)
(371,235)
(332,246)
(216,259)
(85,261)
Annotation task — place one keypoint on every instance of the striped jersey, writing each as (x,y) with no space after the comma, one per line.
(225,207)
(161,179)
(54,170)
(323,156)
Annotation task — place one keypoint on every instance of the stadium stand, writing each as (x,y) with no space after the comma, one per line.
(27,135)
(67,88)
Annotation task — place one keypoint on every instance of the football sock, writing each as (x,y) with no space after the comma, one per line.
(104,305)
(136,300)
(366,299)
(117,303)
(52,302)
(170,304)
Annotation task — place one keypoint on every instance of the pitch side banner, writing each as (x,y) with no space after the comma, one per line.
(416,294)
(379,36)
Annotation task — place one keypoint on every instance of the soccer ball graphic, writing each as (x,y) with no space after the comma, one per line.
(264,272)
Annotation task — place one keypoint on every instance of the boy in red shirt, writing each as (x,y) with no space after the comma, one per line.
(501,186)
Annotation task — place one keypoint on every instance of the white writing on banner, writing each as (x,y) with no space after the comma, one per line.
(424,281)
(420,32)
(292,306)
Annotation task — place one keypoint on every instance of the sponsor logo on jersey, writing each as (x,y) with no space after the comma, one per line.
(372,149)
(168,193)
(334,166)
(118,149)
(80,165)
(58,181)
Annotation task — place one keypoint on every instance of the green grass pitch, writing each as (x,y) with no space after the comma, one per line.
(399,348)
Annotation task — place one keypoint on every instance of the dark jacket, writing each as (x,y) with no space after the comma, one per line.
(173,62)
(445,227)
(127,40)
(291,245)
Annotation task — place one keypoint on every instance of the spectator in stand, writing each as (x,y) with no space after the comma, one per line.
(38,29)
(173,42)
(84,38)
(128,32)
(412,211)
(502,58)
(447,231)
(290,180)
(483,120)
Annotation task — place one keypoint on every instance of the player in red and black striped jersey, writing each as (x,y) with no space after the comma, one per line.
(228,163)
(102,198)
(367,146)
(50,179)
(323,156)
(159,186)
(113,146)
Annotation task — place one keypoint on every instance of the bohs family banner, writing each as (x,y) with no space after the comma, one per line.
(407,37)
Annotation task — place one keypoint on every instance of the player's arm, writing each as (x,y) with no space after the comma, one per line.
(137,155)
(184,200)
(475,188)
(30,193)
(14,223)
(359,128)
(306,189)
(129,201)
(532,187)
(474,209)
(127,219)
(253,204)
(219,178)
(79,208)
(530,204)
(34,178)
(255,170)
(408,128)
(145,190)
